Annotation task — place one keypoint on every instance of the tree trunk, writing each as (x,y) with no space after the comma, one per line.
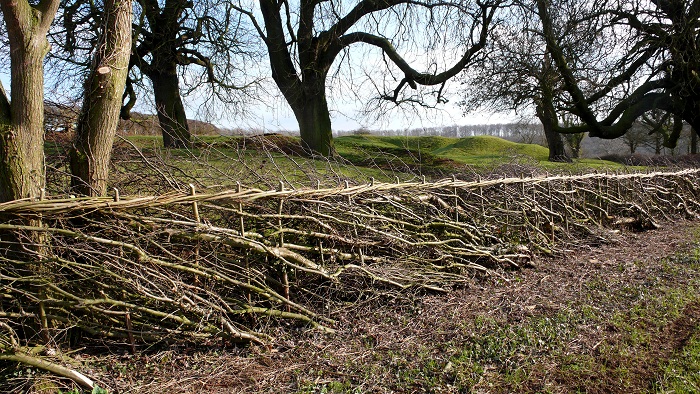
(573,141)
(576,150)
(171,112)
(658,144)
(92,149)
(305,94)
(693,141)
(22,172)
(555,143)
(545,111)
(315,124)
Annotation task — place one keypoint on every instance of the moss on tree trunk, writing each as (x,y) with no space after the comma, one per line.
(97,126)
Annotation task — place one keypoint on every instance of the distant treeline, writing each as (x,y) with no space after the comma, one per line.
(532,133)
(639,140)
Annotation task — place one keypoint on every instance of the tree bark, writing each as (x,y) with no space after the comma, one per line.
(22,135)
(157,57)
(22,139)
(555,143)
(693,141)
(22,170)
(547,114)
(658,144)
(576,149)
(171,111)
(314,119)
(22,173)
(97,126)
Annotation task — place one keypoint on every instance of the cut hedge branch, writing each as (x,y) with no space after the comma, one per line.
(43,364)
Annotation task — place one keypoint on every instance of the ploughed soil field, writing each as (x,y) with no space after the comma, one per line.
(621,316)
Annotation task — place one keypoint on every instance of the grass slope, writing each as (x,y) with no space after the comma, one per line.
(428,153)
(477,150)
(263,161)
(444,154)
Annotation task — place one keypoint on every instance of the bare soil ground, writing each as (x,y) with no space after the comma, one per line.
(598,319)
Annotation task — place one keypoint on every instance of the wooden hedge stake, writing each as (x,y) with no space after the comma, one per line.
(195,208)
(130,332)
(240,210)
(347,186)
(194,205)
(567,187)
(551,209)
(534,201)
(454,189)
(285,275)
(599,183)
(239,189)
(42,290)
(318,210)
(481,199)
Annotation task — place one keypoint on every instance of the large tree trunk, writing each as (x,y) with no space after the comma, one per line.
(306,94)
(693,119)
(548,115)
(92,149)
(22,132)
(573,141)
(22,137)
(22,173)
(171,111)
(315,124)
(557,151)
(555,142)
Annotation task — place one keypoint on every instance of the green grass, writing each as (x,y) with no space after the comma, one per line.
(452,153)
(476,150)
(263,162)
(682,373)
(470,150)
(432,152)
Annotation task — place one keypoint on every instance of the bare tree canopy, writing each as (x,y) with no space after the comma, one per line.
(303,39)
(518,75)
(183,47)
(656,69)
